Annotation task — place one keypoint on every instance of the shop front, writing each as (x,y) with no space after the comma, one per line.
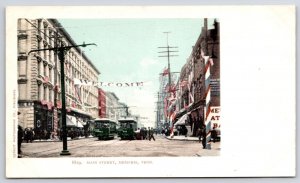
(43,119)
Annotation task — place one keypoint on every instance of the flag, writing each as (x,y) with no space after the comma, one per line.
(73,104)
(206,58)
(49,105)
(167,88)
(165,106)
(211,61)
(46,79)
(165,72)
(58,104)
(77,81)
(186,106)
(183,83)
(172,89)
(171,98)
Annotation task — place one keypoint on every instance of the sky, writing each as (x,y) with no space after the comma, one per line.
(127,51)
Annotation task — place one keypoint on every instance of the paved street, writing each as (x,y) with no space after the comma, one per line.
(92,147)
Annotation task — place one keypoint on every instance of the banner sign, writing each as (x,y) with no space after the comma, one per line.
(84,82)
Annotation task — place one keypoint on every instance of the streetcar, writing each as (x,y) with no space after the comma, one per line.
(127,129)
(105,128)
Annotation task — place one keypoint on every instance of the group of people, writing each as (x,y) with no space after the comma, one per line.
(74,133)
(30,134)
(146,134)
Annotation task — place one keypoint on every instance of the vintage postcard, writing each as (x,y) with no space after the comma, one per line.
(150,91)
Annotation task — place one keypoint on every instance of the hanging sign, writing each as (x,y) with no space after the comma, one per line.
(84,82)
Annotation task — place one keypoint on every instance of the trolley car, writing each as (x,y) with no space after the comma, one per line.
(105,128)
(127,129)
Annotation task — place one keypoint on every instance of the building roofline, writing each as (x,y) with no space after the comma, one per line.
(69,38)
(113,94)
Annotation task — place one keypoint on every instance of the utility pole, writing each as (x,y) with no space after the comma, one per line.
(56,38)
(168,55)
(61,54)
(168,51)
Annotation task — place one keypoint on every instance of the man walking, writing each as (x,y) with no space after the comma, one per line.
(203,133)
(151,134)
(20,139)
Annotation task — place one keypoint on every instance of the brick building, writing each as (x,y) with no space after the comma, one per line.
(202,73)
(102,103)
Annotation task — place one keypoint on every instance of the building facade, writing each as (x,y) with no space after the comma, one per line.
(102,103)
(112,104)
(39,76)
(199,88)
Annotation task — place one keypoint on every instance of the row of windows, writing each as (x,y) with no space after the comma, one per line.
(74,66)
(49,35)
(48,63)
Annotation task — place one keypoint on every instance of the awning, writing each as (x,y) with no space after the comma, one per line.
(181,113)
(181,120)
(80,111)
(69,121)
(72,122)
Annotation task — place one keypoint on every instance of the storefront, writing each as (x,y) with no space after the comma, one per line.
(43,116)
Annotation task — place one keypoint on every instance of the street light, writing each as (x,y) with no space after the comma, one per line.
(61,54)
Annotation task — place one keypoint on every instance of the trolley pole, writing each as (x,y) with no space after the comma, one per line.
(61,54)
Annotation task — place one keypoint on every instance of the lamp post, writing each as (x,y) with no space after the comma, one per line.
(61,54)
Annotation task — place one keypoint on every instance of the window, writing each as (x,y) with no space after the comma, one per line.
(50,96)
(45,93)
(39,92)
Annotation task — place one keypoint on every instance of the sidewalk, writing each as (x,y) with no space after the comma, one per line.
(213,149)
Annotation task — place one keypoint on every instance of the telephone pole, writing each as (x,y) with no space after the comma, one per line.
(168,54)
(61,54)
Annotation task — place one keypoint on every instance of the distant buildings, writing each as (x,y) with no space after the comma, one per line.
(114,108)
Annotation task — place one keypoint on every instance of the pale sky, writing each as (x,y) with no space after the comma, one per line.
(127,51)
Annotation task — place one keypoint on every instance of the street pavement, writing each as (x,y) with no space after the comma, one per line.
(178,146)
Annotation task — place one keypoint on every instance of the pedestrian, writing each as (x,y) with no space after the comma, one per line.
(163,131)
(203,136)
(20,139)
(214,134)
(26,135)
(146,133)
(150,131)
(185,130)
(199,134)
(32,134)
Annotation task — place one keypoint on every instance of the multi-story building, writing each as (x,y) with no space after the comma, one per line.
(102,103)
(39,76)
(123,110)
(114,108)
(112,104)
(202,73)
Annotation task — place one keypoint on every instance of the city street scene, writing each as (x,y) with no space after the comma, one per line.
(118,88)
